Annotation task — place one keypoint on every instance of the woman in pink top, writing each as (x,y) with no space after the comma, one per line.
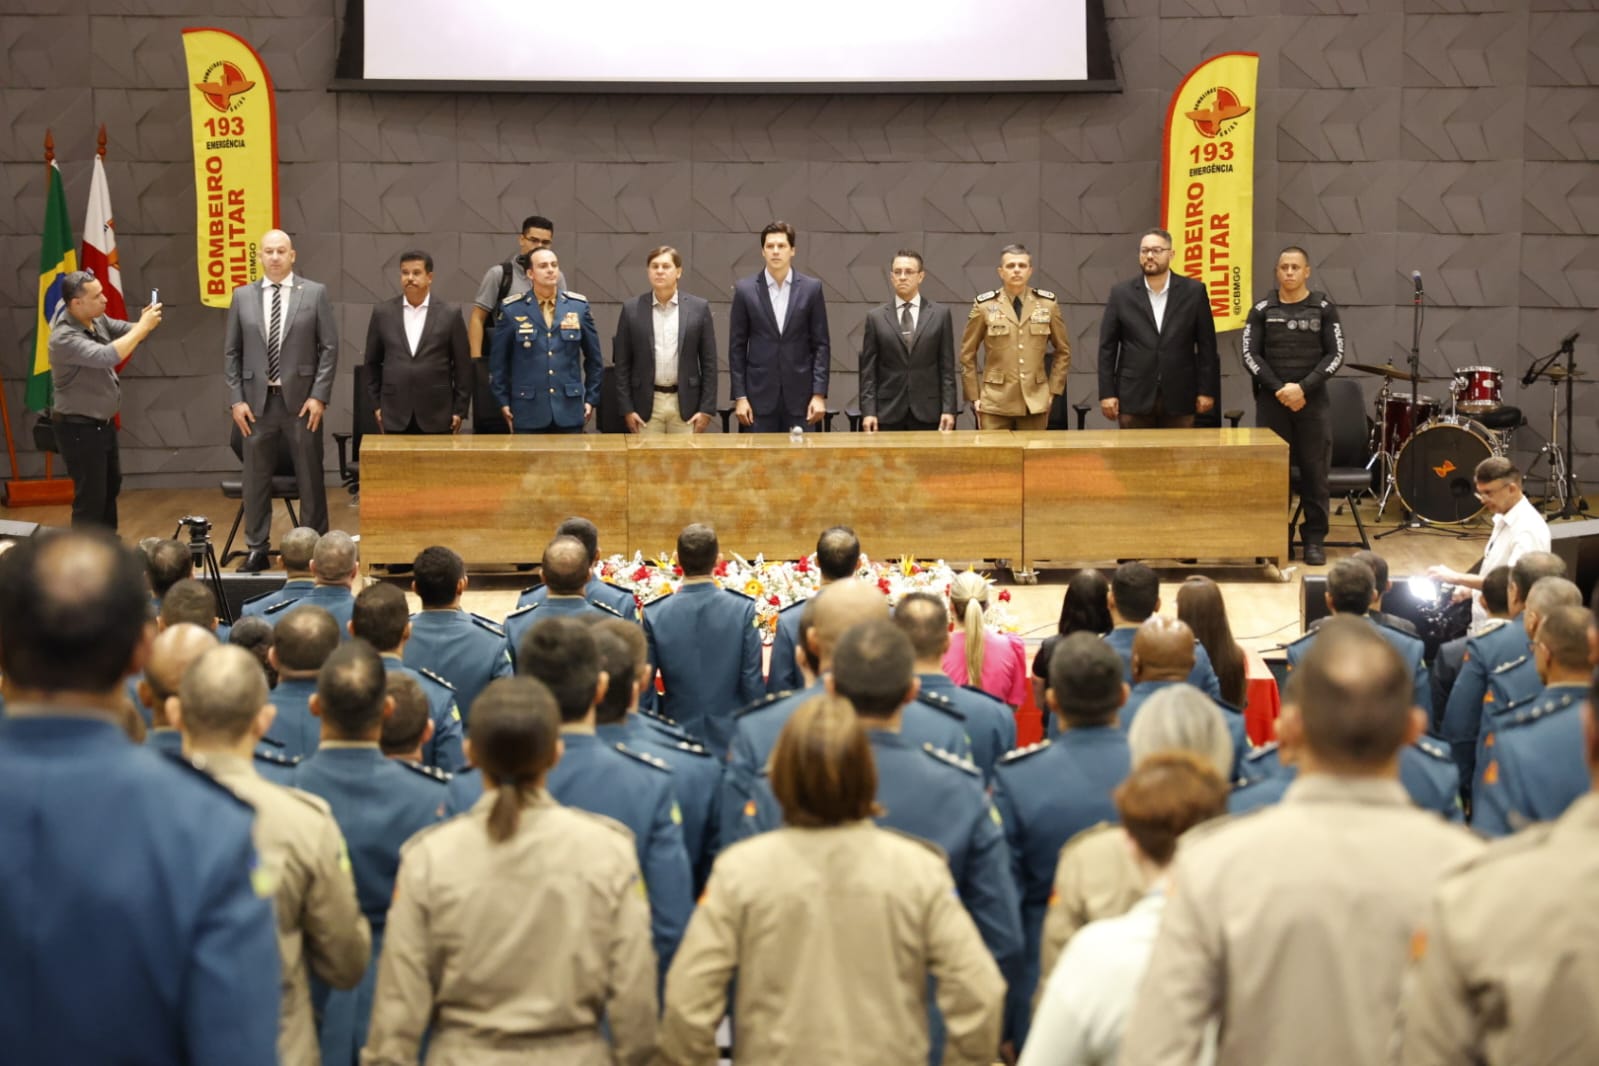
(997,660)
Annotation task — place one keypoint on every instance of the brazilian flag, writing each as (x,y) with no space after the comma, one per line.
(56,259)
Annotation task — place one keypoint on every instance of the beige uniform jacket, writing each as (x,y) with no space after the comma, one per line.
(1291,926)
(1507,968)
(831,934)
(1095,878)
(514,951)
(306,867)
(1014,381)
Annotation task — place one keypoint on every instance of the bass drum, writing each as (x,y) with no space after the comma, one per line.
(1434,471)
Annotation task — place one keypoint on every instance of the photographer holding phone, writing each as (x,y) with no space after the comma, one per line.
(85,349)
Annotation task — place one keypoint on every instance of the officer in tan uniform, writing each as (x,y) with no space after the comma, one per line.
(1505,969)
(832,926)
(1014,324)
(222,710)
(521,924)
(1291,926)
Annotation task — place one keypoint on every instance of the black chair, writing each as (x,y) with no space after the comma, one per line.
(1351,456)
(285,487)
(365,421)
(486,417)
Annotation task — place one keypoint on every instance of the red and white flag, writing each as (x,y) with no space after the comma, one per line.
(100,245)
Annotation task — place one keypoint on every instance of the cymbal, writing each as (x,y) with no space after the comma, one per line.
(1558,373)
(1391,372)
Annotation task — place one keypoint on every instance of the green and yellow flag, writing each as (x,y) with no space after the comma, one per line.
(57,258)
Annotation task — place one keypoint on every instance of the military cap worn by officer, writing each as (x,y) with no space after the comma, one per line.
(1345,861)
(519,928)
(1015,325)
(1504,966)
(102,968)
(380,618)
(706,644)
(1048,792)
(223,701)
(295,551)
(833,927)
(379,804)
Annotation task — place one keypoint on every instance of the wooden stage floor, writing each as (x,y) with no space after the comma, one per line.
(1264,613)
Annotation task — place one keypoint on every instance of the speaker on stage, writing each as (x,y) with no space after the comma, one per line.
(1578,544)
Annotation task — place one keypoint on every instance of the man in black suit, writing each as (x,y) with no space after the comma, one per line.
(778,348)
(908,356)
(1157,345)
(418,368)
(665,350)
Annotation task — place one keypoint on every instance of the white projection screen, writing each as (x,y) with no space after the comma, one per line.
(727,45)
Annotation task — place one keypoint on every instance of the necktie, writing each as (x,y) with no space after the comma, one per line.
(275,335)
(906,326)
(1016,302)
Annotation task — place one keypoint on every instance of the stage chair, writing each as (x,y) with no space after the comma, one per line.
(1349,476)
(284,487)
(485,412)
(349,444)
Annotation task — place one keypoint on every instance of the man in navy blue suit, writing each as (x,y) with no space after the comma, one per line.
(778,349)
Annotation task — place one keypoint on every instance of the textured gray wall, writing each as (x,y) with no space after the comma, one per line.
(1455,137)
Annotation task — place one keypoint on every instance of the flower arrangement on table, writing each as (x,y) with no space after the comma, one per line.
(778,584)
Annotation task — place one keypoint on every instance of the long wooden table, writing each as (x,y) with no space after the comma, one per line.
(963,496)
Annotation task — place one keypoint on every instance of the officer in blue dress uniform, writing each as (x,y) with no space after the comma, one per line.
(544,366)
(1163,655)
(1446,665)
(1496,645)
(378,802)
(615,780)
(696,771)
(1350,588)
(597,589)
(566,574)
(755,728)
(1426,771)
(1134,598)
(1048,792)
(296,551)
(989,722)
(381,619)
(125,873)
(465,649)
(173,651)
(923,791)
(337,566)
(1534,762)
(1515,682)
(838,556)
(301,642)
(705,642)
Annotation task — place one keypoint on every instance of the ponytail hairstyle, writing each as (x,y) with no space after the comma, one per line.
(515,730)
(968,596)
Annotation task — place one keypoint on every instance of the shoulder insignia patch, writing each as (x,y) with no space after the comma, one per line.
(1539,709)
(764,701)
(950,759)
(1043,294)
(512,299)
(431,676)
(281,605)
(940,702)
(657,717)
(488,624)
(1261,752)
(1491,625)
(1021,753)
(1511,665)
(270,742)
(523,610)
(688,747)
(1437,749)
(1261,306)
(276,758)
(258,597)
(601,605)
(652,761)
(576,296)
(432,773)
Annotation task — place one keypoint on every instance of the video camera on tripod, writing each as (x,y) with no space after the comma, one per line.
(204,554)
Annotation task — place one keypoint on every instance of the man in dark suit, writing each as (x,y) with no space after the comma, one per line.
(418,369)
(665,352)
(778,349)
(908,356)
(279,358)
(544,365)
(1157,345)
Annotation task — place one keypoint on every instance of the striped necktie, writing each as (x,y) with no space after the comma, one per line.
(275,335)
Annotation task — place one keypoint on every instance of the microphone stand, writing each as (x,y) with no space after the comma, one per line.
(1412,519)
(1574,504)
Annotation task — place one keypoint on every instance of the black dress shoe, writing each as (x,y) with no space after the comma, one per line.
(1315,555)
(254,563)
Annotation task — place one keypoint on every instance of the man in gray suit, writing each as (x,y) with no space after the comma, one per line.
(281,352)
(665,354)
(908,356)
(418,372)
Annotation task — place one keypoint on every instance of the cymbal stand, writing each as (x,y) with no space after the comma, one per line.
(1411,519)
(1386,447)
(1562,481)
(1573,504)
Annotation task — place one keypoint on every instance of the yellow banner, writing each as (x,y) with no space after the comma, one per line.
(234,123)
(1208,182)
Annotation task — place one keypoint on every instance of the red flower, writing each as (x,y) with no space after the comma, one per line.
(641,574)
(1004,595)
(721,569)
(883,586)
(803,566)
(677,571)
(915,569)
(774,601)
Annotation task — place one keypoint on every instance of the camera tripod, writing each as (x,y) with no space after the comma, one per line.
(204,555)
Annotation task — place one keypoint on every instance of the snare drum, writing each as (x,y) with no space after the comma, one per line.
(1478,388)
(1433,473)
(1400,420)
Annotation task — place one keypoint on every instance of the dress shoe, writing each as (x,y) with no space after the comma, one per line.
(254,563)
(1315,555)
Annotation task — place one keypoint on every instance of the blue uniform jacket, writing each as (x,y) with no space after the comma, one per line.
(546,374)
(696,782)
(1046,794)
(1411,649)
(444,750)
(271,763)
(337,600)
(990,723)
(704,641)
(130,932)
(289,592)
(466,650)
(519,621)
(165,740)
(597,591)
(783,672)
(1462,718)
(1202,677)
(1535,767)
(295,731)
(1426,772)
